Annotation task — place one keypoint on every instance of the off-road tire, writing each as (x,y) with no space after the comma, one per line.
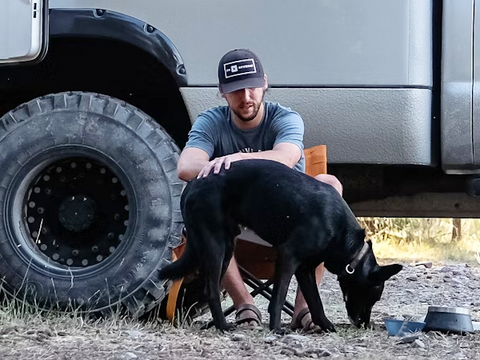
(89,204)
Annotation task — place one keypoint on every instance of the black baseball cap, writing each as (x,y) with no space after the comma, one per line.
(240,69)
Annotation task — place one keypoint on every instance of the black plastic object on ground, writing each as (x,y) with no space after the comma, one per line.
(448,319)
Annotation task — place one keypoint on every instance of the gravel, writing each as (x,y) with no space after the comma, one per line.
(406,295)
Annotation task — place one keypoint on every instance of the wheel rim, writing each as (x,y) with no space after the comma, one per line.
(76,211)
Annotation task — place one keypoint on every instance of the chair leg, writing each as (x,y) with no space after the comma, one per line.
(259,288)
(264,289)
(172,299)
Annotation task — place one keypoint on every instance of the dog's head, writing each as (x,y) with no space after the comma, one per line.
(363,287)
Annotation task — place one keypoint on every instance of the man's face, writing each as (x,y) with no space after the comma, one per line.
(245,103)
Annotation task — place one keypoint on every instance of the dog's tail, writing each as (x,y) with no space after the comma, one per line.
(185,265)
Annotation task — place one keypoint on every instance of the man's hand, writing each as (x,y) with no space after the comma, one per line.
(195,162)
(217,163)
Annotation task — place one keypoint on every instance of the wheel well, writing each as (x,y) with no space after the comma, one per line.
(105,66)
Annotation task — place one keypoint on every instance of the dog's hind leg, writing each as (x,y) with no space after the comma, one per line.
(213,296)
(305,275)
(217,250)
(284,270)
(229,249)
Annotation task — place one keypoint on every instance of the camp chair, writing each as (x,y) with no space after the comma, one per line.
(255,257)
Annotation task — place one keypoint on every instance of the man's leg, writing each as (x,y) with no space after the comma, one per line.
(235,287)
(305,322)
(331,180)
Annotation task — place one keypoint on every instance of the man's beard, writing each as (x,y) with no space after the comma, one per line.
(256,108)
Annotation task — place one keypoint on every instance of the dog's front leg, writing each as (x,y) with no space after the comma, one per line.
(306,280)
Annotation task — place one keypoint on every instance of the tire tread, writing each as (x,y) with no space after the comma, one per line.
(153,290)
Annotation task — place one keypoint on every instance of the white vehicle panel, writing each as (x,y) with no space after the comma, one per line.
(301,43)
(21,30)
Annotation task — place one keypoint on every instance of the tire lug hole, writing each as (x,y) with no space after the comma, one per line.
(79,180)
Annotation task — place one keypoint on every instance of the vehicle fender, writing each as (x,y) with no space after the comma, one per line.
(105,24)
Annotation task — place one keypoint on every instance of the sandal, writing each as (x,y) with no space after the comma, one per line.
(304,322)
(239,319)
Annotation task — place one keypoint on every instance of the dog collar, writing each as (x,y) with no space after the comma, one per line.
(350,268)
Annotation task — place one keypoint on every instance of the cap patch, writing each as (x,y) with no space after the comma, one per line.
(239,67)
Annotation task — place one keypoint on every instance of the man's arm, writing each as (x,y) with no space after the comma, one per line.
(191,162)
(194,162)
(285,153)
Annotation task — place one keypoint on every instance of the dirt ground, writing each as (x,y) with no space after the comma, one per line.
(408,294)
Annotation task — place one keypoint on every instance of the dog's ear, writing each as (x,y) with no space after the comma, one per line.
(360,234)
(382,273)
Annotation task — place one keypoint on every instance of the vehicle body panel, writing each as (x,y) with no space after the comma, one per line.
(23,30)
(355,52)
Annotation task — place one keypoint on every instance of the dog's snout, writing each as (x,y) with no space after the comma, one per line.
(360,319)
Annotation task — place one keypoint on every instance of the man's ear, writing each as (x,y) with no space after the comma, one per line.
(222,94)
(265,86)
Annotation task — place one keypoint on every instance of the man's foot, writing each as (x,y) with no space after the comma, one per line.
(303,321)
(248,317)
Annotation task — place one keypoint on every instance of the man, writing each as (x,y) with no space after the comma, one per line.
(248,128)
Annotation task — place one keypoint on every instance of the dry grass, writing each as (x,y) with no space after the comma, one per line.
(27,332)
(418,239)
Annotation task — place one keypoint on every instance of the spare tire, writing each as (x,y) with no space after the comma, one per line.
(89,204)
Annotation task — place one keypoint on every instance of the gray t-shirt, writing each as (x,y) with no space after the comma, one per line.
(215,132)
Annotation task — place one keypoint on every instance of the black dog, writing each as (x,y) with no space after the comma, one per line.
(308,222)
